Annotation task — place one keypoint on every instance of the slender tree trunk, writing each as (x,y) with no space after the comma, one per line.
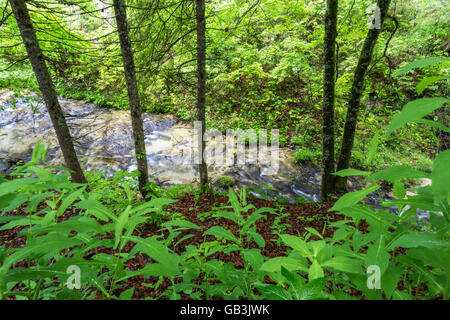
(133,94)
(328,99)
(201,83)
(356,93)
(45,83)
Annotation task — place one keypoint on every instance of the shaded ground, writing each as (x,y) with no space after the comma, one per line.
(291,219)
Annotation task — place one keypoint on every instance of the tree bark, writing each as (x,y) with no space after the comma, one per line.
(356,93)
(329,75)
(45,83)
(133,94)
(201,84)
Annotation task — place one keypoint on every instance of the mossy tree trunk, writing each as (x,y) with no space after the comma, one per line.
(329,79)
(45,83)
(201,84)
(133,94)
(356,93)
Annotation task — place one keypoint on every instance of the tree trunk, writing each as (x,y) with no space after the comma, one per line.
(328,99)
(133,94)
(45,83)
(356,93)
(201,84)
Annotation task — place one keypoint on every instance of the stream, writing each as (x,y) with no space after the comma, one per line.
(103,142)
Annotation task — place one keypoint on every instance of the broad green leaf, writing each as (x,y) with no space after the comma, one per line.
(425,82)
(420,64)
(297,283)
(413,111)
(98,210)
(154,205)
(120,224)
(434,124)
(344,264)
(69,199)
(434,257)
(275,264)
(251,221)
(258,239)
(33,273)
(297,244)
(378,255)
(352,198)
(221,233)
(315,271)
(390,279)
(16,184)
(182,224)
(417,239)
(420,268)
(254,258)
(157,251)
(414,202)
(394,174)
(314,232)
(441,176)
(399,190)
(273,292)
(351,172)
(127,294)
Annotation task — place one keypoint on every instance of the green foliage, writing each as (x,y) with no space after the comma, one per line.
(225,181)
(268,77)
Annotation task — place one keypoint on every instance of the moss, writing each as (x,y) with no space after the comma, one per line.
(225,181)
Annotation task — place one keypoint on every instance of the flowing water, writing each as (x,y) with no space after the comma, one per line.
(103,141)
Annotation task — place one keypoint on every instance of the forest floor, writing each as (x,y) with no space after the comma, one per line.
(290,218)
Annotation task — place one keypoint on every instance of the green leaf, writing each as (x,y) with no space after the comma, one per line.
(378,255)
(157,251)
(69,199)
(16,184)
(258,239)
(434,257)
(98,210)
(419,64)
(373,146)
(441,176)
(273,292)
(221,233)
(352,198)
(420,268)
(432,123)
(120,224)
(413,202)
(127,294)
(182,224)
(254,258)
(344,264)
(351,172)
(154,205)
(413,111)
(315,271)
(417,239)
(314,232)
(425,82)
(399,190)
(51,243)
(296,281)
(390,279)
(297,244)
(394,174)
(275,264)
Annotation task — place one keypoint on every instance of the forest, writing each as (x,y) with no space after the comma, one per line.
(224,150)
